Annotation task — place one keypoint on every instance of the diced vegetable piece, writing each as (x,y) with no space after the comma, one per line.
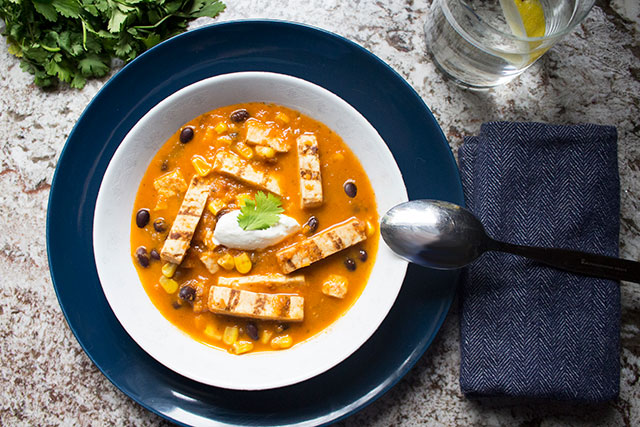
(226,261)
(241,198)
(282,117)
(169,269)
(216,206)
(169,185)
(169,285)
(244,150)
(221,127)
(209,240)
(266,335)
(230,335)
(265,152)
(370,229)
(335,286)
(209,262)
(200,321)
(240,347)
(243,263)
(212,332)
(282,341)
(209,134)
(200,165)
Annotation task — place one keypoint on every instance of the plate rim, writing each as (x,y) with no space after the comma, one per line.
(402,369)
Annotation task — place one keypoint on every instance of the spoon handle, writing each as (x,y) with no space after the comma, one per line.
(575,261)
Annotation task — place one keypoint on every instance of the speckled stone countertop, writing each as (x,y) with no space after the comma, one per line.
(593,75)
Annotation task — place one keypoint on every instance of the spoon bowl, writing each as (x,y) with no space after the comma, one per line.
(443,235)
(434,233)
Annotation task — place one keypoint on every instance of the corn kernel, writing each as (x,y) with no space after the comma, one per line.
(266,152)
(221,127)
(266,335)
(169,269)
(240,347)
(283,341)
(216,206)
(169,285)
(282,117)
(230,335)
(370,229)
(212,332)
(243,263)
(244,150)
(200,165)
(226,261)
(225,139)
(241,198)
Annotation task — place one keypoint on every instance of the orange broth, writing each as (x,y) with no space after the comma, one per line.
(338,164)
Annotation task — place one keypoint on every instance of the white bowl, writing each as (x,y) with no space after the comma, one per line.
(128,299)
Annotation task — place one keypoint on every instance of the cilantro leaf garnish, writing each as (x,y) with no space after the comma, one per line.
(72,40)
(261,213)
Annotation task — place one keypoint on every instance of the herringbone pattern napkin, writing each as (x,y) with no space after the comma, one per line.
(528,330)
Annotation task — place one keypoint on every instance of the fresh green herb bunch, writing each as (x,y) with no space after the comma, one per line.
(72,40)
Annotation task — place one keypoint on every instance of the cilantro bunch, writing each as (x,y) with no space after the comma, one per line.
(73,40)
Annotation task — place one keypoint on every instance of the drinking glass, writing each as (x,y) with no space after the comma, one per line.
(485,43)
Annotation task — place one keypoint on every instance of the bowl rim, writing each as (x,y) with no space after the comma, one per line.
(134,333)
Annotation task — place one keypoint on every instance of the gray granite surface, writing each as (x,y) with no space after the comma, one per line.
(593,75)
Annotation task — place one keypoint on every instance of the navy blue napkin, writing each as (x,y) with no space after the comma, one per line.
(528,330)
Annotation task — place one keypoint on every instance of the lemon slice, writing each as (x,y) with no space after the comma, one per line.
(532,15)
(526,19)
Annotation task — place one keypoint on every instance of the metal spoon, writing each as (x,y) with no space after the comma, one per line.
(446,236)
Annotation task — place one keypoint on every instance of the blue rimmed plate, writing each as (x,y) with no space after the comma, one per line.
(376,91)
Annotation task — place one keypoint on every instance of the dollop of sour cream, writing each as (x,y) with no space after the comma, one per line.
(231,235)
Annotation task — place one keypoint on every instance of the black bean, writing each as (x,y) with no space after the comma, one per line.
(154,254)
(362,254)
(239,116)
(143,257)
(187,293)
(252,331)
(142,218)
(160,225)
(176,305)
(186,135)
(350,264)
(281,327)
(350,188)
(164,165)
(234,135)
(312,223)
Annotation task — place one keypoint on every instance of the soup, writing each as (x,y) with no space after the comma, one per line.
(254,228)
